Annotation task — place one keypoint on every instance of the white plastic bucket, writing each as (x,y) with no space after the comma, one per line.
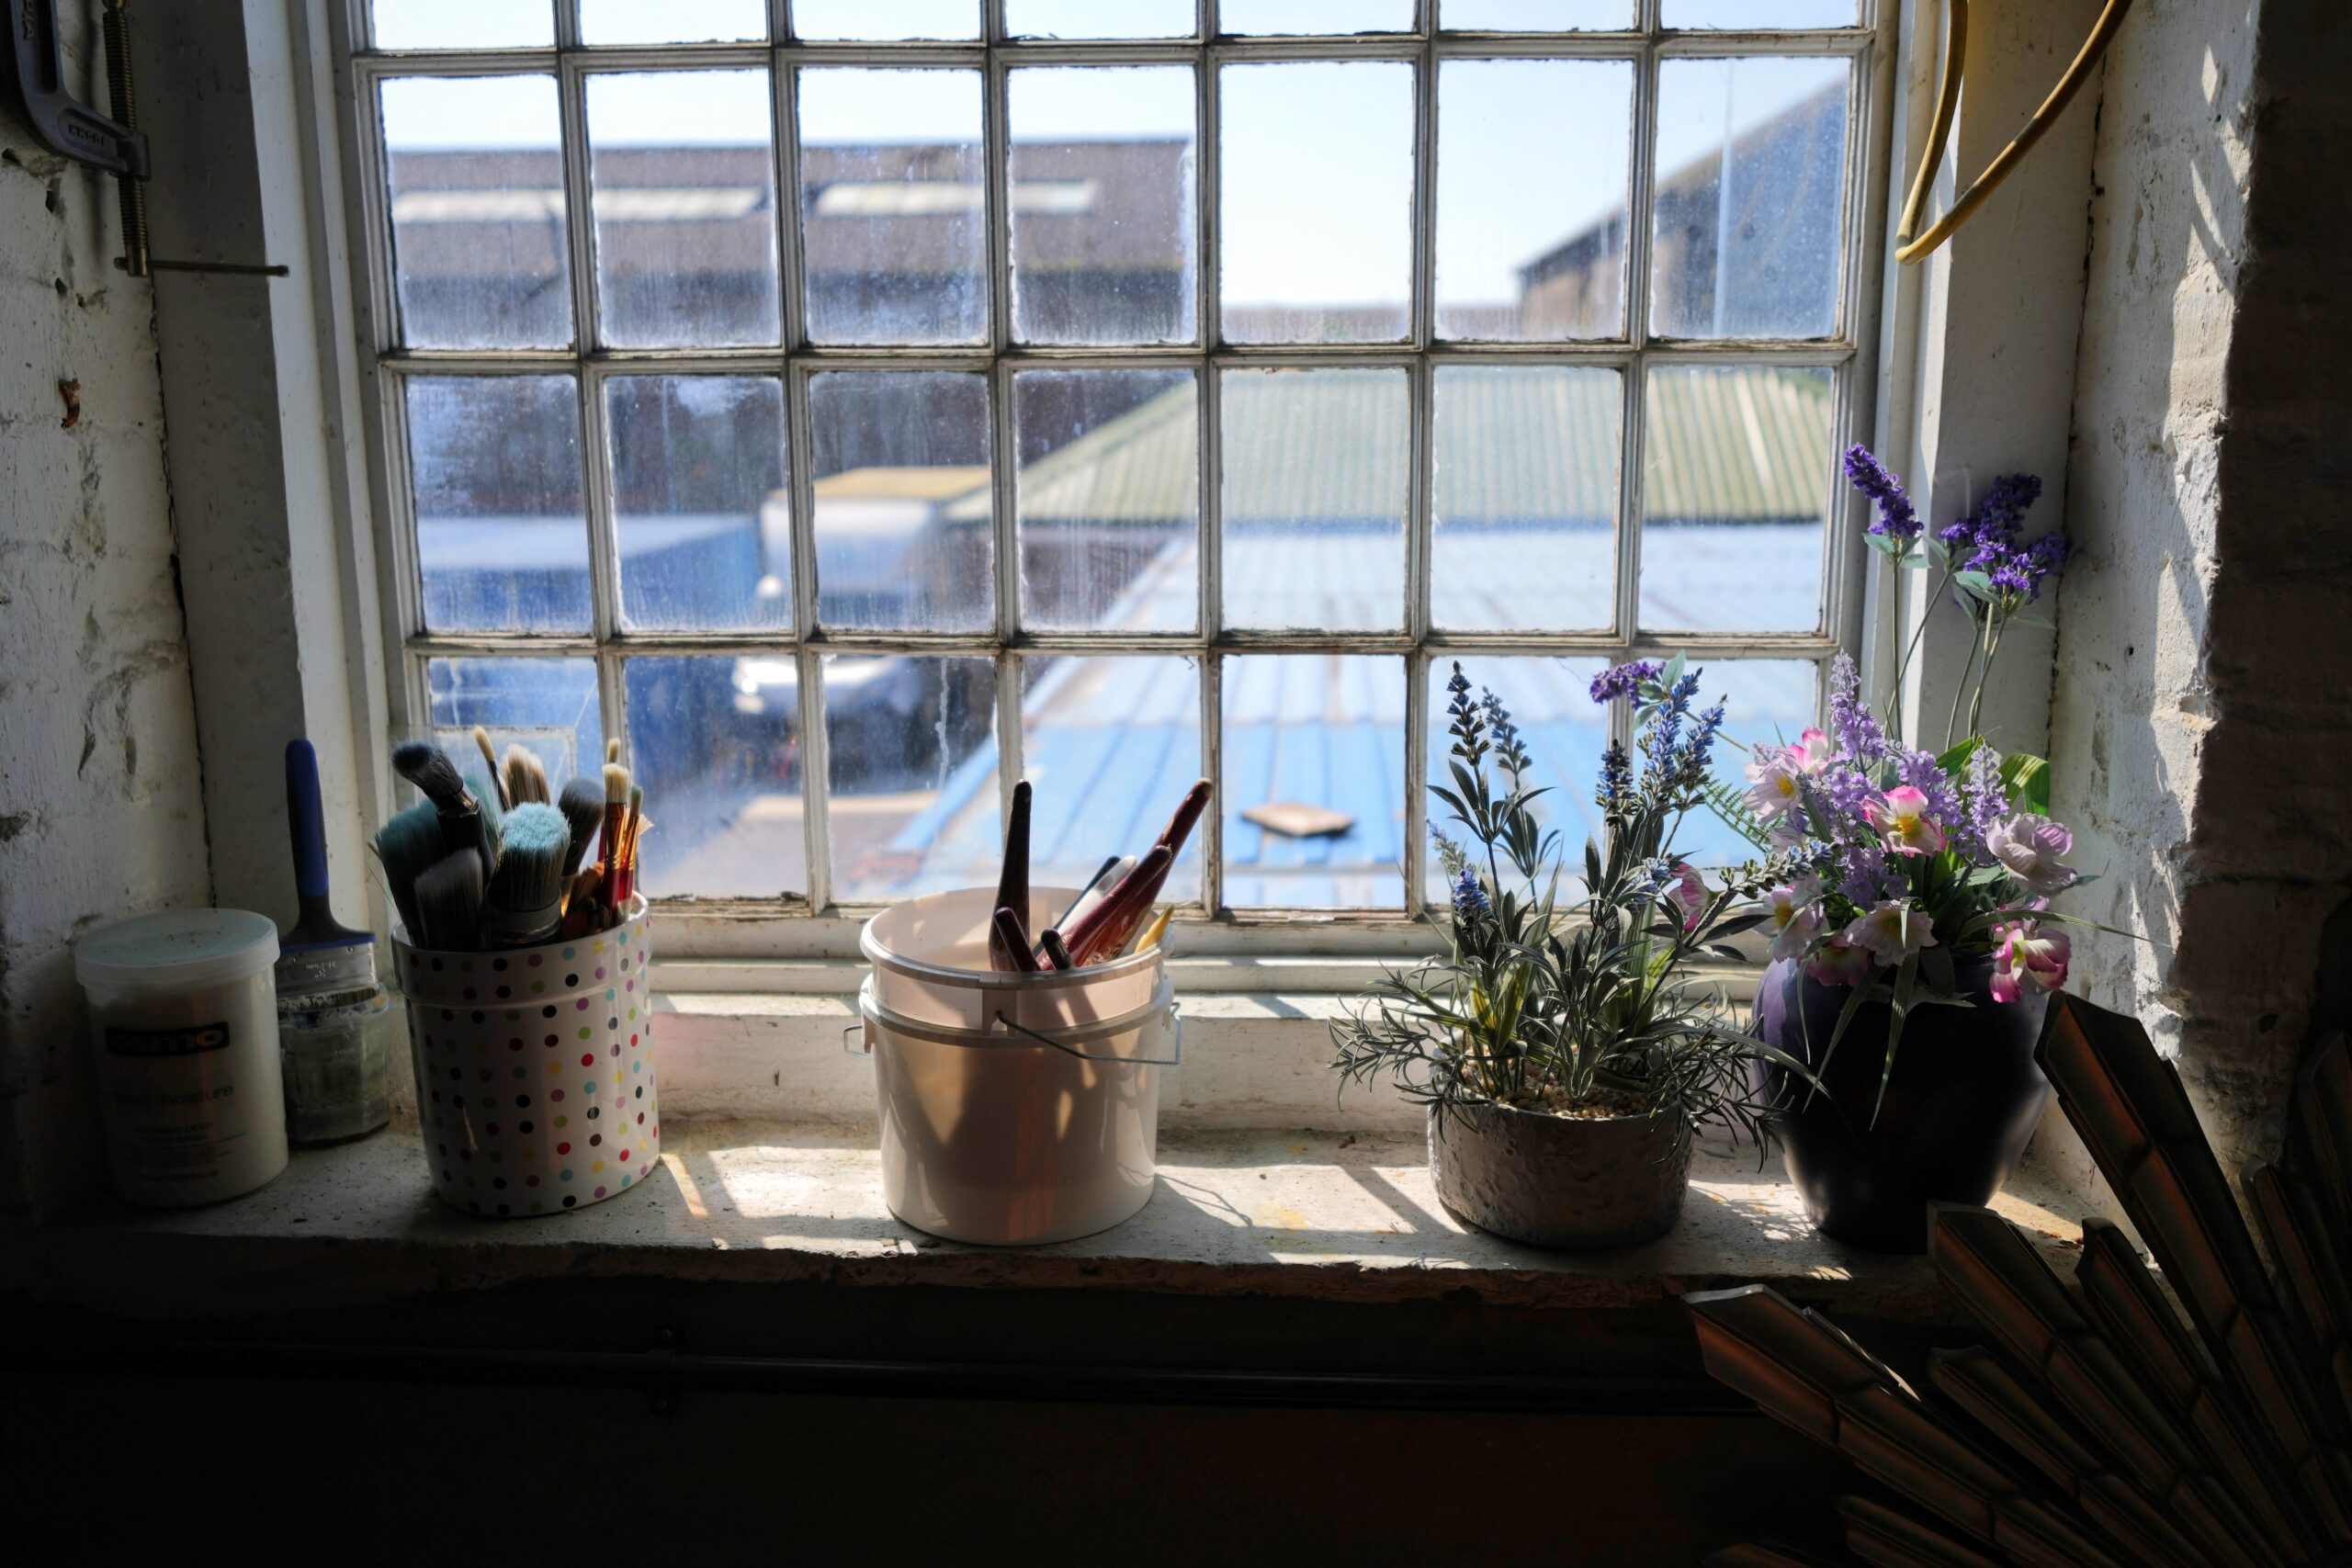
(930,964)
(1002,1132)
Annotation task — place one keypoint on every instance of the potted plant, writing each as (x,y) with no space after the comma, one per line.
(1565,1052)
(1912,956)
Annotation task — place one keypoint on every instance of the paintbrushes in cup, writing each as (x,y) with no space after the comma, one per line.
(406,847)
(583,805)
(524,903)
(448,903)
(428,767)
(490,758)
(525,778)
(616,820)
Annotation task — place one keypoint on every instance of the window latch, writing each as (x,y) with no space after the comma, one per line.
(34,81)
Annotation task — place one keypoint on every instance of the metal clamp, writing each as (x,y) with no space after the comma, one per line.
(1176,1028)
(864,1046)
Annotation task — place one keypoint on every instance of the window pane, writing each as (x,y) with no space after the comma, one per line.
(475,178)
(1108,500)
(502,532)
(1313,501)
(1534,16)
(462,24)
(547,705)
(893,206)
(716,744)
(903,537)
(1521,260)
(1110,746)
(1735,494)
(1752,254)
(1551,702)
(1769,700)
(1761,14)
(699,502)
(1315,729)
(912,748)
(1092,18)
(885,19)
(1523,498)
(1103,214)
(672,21)
(1316,201)
(1315,16)
(685,201)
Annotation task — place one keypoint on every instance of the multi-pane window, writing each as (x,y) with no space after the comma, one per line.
(854,406)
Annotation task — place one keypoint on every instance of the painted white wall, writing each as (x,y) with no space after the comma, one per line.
(101,809)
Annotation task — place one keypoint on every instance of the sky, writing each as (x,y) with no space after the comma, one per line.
(1317,175)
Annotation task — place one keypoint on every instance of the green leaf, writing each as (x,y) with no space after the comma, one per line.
(2027,779)
(1907,985)
(1957,758)
(1976,582)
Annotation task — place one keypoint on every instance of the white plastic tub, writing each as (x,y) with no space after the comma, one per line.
(996,1130)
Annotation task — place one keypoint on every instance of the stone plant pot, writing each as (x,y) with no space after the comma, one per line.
(1561,1180)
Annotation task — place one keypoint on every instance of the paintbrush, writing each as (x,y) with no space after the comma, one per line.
(490,758)
(448,903)
(428,767)
(629,831)
(1153,933)
(580,908)
(608,867)
(525,778)
(1100,932)
(524,901)
(1112,871)
(317,953)
(612,749)
(1057,951)
(405,847)
(1005,932)
(1188,813)
(1012,881)
(583,805)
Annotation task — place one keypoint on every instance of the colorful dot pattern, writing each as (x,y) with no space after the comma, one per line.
(534,1071)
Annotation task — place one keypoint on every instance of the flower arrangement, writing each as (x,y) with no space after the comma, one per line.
(1590,1007)
(1912,859)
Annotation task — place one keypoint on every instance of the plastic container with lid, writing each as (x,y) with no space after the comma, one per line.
(184,1025)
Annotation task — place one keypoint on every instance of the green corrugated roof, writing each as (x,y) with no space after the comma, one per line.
(1741,444)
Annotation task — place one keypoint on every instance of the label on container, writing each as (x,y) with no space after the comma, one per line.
(174,1098)
(167,1042)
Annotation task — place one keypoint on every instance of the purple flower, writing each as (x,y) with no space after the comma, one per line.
(1624,680)
(1923,773)
(1860,738)
(1982,800)
(1615,790)
(1469,897)
(1896,518)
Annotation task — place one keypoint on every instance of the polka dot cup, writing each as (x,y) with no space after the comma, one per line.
(534,1071)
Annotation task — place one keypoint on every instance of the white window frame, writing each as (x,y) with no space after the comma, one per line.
(815,926)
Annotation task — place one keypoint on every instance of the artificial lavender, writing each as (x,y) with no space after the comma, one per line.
(1623,679)
(1896,519)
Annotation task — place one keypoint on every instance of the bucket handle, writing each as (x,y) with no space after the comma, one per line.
(1176,1023)
(864,1046)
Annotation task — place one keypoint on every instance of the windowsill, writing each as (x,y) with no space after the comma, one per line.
(1297,1225)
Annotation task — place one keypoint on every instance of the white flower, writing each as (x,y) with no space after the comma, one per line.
(2030,847)
(1890,932)
(1795,920)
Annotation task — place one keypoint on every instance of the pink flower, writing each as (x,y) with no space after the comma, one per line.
(2030,847)
(1812,752)
(1795,918)
(1689,893)
(1890,932)
(2025,962)
(1772,783)
(1901,816)
(1839,962)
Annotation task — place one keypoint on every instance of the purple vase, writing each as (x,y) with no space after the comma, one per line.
(1959,1110)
